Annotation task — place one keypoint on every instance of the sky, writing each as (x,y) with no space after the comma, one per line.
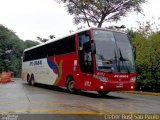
(32,18)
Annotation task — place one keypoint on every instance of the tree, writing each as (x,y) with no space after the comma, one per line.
(100,11)
(147,41)
(52,36)
(43,40)
(30,43)
(122,27)
(11,50)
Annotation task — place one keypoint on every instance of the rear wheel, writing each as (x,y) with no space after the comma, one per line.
(70,85)
(103,93)
(32,81)
(28,79)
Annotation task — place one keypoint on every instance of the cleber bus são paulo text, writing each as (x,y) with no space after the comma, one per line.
(92,59)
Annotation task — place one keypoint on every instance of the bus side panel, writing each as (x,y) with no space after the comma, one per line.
(41,70)
(52,70)
(65,65)
(24,72)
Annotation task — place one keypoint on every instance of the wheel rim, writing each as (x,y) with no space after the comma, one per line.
(71,86)
(32,81)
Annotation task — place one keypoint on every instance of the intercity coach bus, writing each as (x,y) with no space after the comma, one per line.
(92,59)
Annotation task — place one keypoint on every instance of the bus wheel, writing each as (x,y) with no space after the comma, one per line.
(28,79)
(103,93)
(70,85)
(32,81)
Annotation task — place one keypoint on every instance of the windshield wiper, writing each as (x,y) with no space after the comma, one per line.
(123,59)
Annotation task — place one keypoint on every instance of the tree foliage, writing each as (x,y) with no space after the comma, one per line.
(43,40)
(11,49)
(100,11)
(30,43)
(147,43)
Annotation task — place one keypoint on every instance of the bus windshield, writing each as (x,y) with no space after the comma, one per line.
(113,52)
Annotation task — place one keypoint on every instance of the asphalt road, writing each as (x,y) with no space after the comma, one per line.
(43,102)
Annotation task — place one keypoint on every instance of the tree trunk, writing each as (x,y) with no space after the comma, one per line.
(100,24)
(85,16)
(101,21)
(87,22)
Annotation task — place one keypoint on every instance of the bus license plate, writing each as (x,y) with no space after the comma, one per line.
(119,86)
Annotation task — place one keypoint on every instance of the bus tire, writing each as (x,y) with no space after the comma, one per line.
(103,93)
(70,85)
(28,79)
(32,81)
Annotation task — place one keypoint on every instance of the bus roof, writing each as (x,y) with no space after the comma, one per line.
(56,39)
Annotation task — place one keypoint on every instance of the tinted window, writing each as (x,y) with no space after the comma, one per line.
(106,51)
(127,62)
(37,53)
(113,52)
(63,46)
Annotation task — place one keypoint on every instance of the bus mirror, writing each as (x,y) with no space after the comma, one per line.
(93,47)
(134,52)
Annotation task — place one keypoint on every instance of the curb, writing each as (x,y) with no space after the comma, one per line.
(142,93)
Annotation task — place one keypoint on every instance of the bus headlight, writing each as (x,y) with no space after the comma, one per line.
(101,78)
(133,79)
(132,87)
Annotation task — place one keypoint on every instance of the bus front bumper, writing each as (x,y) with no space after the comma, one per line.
(116,86)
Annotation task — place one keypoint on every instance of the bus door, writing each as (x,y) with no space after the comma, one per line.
(85,60)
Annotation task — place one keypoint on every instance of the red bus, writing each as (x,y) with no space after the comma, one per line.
(92,59)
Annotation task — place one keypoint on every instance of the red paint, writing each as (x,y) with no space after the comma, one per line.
(87,81)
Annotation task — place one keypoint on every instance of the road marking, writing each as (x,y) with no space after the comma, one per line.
(18,111)
(50,111)
(85,109)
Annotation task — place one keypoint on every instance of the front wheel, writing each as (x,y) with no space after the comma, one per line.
(70,85)
(103,93)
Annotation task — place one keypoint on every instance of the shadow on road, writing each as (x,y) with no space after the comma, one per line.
(82,93)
